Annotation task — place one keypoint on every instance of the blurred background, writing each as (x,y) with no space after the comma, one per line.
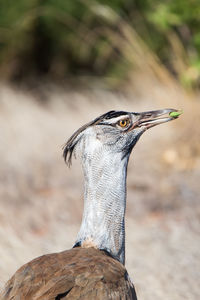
(62,63)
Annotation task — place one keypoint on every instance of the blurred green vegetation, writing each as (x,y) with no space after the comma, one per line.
(101,38)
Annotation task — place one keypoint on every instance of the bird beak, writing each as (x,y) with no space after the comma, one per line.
(152,118)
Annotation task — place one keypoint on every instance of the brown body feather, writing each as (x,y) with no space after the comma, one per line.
(79,273)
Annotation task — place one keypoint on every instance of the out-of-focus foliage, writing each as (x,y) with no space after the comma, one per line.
(63,38)
(178,24)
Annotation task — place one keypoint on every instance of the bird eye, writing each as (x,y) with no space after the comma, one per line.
(123,123)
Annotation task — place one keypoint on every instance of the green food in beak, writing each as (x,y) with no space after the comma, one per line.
(175,114)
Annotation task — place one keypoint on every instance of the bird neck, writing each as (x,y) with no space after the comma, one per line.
(103,222)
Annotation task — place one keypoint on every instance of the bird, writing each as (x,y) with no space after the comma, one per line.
(95,267)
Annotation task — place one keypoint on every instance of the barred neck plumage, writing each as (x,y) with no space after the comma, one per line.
(103,224)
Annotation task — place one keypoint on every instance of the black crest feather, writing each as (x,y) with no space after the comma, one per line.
(68,148)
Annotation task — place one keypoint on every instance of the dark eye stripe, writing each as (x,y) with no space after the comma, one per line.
(114,114)
(110,115)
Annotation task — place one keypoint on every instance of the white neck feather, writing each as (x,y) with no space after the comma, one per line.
(103,224)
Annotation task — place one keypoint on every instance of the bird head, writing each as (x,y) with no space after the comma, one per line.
(114,132)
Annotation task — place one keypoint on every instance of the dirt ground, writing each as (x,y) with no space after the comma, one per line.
(41,199)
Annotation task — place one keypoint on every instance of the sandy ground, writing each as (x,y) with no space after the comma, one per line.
(41,199)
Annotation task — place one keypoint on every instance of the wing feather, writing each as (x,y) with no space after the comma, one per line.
(74,274)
